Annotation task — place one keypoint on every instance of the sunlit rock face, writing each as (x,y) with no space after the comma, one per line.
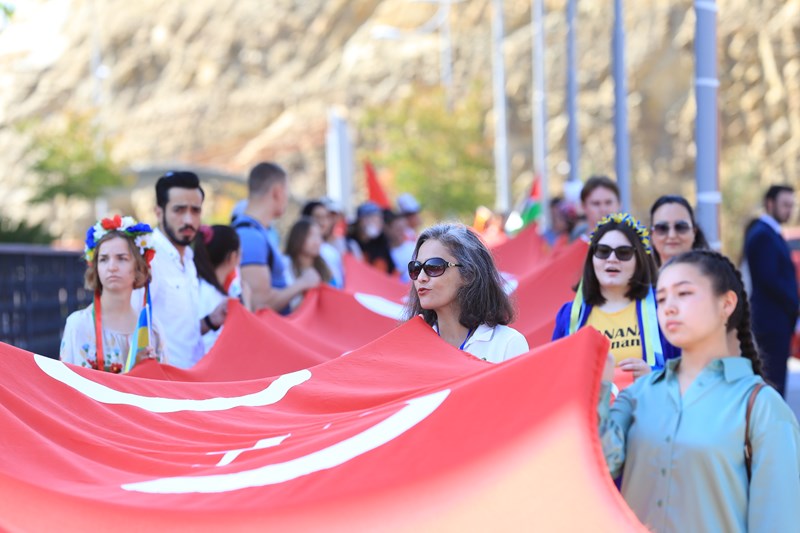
(225,83)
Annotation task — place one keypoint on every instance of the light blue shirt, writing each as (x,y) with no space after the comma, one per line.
(682,457)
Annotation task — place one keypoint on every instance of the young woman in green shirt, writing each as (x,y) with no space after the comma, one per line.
(677,436)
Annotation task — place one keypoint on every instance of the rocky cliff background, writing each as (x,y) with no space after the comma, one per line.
(221,84)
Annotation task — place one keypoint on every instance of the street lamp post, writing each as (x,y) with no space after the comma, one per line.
(621,140)
(503,199)
(573,148)
(539,109)
(706,134)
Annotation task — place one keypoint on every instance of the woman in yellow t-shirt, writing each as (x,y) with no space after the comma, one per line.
(615,296)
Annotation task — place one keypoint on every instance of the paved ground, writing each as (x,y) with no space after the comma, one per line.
(793,386)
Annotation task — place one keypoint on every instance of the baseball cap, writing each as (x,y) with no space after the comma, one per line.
(407,204)
(368,208)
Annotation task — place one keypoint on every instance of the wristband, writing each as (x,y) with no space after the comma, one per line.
(210,324)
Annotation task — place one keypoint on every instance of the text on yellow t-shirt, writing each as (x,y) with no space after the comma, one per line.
(621,328)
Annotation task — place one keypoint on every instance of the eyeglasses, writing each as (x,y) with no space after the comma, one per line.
(433,267)
(623,253)
(681,228)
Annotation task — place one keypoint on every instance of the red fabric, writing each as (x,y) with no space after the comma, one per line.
(338,319)
(375,190)
(522,254)
(536,189)
(543,291)
(361,277)
(439,441)
(249,347)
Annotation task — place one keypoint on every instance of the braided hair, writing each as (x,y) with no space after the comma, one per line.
(726,277)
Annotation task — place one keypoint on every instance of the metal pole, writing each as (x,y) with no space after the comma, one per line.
(621,140)
(706,85)
(339,162)
(539,110)
(573,148)
(503,200)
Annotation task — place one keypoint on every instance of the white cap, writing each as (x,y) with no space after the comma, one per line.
(407,204)
(331,204)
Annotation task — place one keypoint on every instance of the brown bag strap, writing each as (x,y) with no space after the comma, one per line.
(748,447)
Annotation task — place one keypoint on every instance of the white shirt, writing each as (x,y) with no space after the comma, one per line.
(175,292)
(209,299)
(496,344)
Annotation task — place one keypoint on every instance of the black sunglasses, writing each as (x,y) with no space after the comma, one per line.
(623,253)
(681,228)
(433,267)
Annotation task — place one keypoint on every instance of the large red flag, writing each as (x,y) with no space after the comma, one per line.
(362,277)
(250,347)
(522,254)
(344,320)
(404,433)
(543,290)
(375,190)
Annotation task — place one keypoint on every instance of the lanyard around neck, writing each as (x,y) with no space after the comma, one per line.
(469,332)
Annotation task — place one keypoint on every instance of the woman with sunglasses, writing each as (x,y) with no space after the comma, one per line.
(616,296)
(674,228)
(458,290)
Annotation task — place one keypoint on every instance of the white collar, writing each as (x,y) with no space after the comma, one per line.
(483,333)
(771,222)
(164,244)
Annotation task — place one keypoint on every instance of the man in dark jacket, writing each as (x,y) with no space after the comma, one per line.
(773,298)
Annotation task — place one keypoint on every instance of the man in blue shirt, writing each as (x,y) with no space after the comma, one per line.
(262,265)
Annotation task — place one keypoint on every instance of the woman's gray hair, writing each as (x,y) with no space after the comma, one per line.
(481,298)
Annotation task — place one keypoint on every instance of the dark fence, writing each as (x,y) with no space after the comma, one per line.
(39,288)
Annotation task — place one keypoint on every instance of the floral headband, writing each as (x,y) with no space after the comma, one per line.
(630,221)
(138,231)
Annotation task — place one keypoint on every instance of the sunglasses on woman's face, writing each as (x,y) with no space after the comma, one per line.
(433,267)
(623,253)
(681,228)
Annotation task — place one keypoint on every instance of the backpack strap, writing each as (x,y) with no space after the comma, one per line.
(748,447)
(239,223)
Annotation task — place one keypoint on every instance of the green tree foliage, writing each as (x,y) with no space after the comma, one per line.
(6,10)
(22,232)
(442,157)
(72,162)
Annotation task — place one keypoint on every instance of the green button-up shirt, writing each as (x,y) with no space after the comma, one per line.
(682,457)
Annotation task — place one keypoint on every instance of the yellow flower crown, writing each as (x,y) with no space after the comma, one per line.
(630,221)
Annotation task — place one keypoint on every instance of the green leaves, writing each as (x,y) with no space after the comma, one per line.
(73,162)
(22,232)
(443,158)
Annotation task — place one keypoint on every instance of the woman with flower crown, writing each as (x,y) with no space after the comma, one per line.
(616,296)
(118,253)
